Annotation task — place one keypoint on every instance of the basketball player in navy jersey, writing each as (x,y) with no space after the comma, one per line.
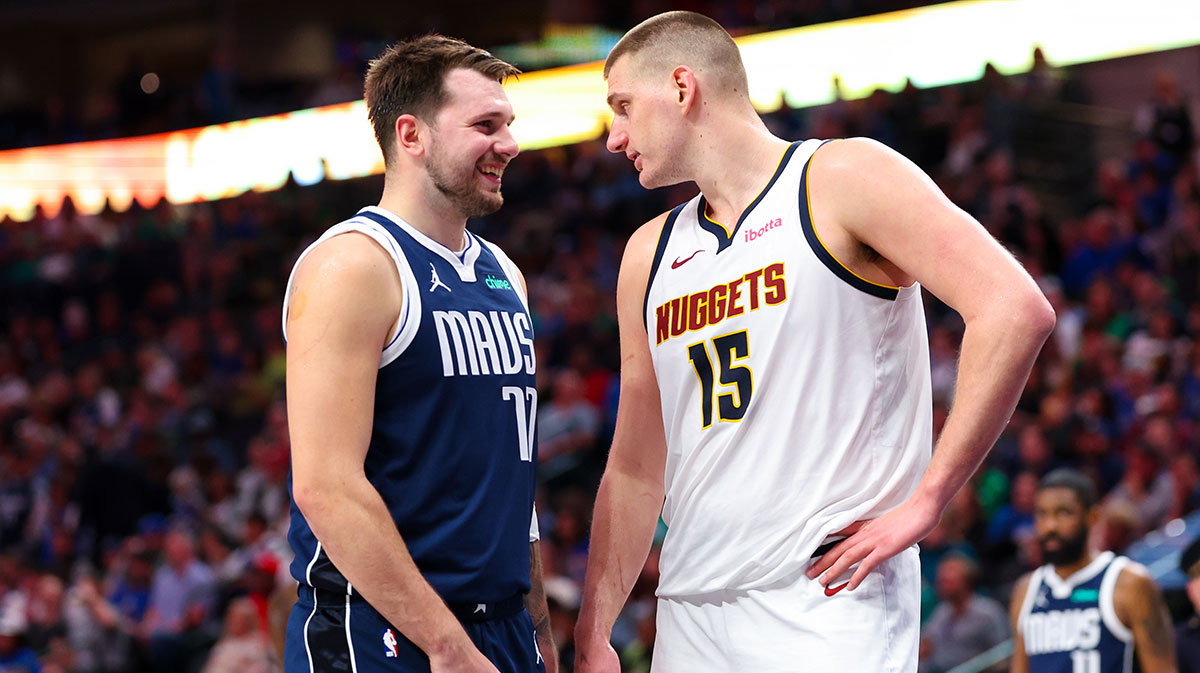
(411,398)
(775,402)
(1083,611)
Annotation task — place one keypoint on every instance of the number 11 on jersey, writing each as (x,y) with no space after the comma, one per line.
(731,406)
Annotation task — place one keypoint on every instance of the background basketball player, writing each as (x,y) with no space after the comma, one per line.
(1083,611)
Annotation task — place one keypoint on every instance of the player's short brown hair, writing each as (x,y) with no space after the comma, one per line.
(679,38)
(409,78)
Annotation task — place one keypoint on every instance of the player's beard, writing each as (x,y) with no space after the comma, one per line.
(1070,549)
(461,188)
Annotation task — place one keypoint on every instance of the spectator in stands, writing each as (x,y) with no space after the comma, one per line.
(567,425)
(182,600)
(243,647)
(965,624)
(15,655)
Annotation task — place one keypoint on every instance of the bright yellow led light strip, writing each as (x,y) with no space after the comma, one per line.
(931,46)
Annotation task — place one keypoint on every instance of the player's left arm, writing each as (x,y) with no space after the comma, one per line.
(1139,605)
(539,611)
(878,198)
(535,600)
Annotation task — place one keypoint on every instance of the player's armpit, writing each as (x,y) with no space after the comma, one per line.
(863,189)
(1139,604)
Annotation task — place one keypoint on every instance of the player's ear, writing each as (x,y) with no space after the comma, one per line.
(411,135)
(683,81)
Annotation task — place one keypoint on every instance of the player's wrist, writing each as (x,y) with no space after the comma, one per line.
(589,633)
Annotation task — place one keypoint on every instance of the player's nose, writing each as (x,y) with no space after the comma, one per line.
(506,144)
(617,139)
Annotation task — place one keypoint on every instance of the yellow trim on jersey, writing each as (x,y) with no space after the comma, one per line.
(762,191)
(808,205)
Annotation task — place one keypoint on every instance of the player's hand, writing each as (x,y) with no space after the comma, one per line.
(596,656)
(873,542)
(466,660)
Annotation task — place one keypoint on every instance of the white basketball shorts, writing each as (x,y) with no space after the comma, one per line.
(797,627)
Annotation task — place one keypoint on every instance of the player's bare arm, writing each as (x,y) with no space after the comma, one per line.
(631,493)
(1020,660)
(539,611)
(336,332)
(865,194)
(1139,605)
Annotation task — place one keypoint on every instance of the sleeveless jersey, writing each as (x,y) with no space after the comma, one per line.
(795,395)
(452,449)
(1071,626)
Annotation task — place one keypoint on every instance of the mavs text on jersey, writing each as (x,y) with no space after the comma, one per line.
(1070,625)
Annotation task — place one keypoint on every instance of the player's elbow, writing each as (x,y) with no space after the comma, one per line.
(314,498)
(1037,316)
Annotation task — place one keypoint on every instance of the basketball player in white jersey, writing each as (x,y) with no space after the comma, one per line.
(1085,611)
(775,393)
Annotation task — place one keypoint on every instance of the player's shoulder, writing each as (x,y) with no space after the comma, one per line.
(1133,576)
(644,240)
(1021,587)
(851,157)
(351,251)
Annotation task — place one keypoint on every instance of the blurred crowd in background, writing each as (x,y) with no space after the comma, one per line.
(152,95)
(143,430)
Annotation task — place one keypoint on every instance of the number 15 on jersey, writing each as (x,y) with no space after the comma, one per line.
(737,379)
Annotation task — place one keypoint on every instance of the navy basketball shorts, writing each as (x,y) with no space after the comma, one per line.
(350,636)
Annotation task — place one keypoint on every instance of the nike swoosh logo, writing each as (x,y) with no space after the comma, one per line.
(831,591)
(680,262)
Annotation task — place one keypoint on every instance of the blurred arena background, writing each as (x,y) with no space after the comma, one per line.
(144,251)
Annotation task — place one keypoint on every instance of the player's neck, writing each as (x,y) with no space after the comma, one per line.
(733,169)
(1065,571)
(434,217)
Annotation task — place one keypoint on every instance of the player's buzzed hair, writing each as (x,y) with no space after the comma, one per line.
(409,78)
(1072,480)
(679,38)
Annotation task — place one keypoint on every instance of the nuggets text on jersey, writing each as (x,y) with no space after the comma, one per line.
(724,300)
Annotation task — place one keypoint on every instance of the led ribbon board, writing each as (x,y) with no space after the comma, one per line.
(931,46)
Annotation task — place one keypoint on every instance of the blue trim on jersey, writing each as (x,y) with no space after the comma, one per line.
(453,449)
(818,248)
(725,238)
(663,237)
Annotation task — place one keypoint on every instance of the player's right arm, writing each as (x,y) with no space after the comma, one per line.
(345,298)
(631,493)
(1020,661)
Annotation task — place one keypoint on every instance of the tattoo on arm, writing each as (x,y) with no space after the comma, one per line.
(535,602)
(1157,646)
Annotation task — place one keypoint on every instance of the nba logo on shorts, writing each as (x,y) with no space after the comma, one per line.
(389,643)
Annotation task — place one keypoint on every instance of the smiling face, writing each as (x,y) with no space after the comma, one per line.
(469,143)
(647,123)
(1062,523)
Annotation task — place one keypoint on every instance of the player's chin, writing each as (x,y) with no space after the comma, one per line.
(648,180)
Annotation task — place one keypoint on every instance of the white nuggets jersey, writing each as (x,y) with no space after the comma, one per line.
(795,395)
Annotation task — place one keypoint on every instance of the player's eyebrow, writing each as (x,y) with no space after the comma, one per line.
(496,114)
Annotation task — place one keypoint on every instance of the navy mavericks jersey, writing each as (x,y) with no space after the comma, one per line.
(453,446)
(1071,626)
